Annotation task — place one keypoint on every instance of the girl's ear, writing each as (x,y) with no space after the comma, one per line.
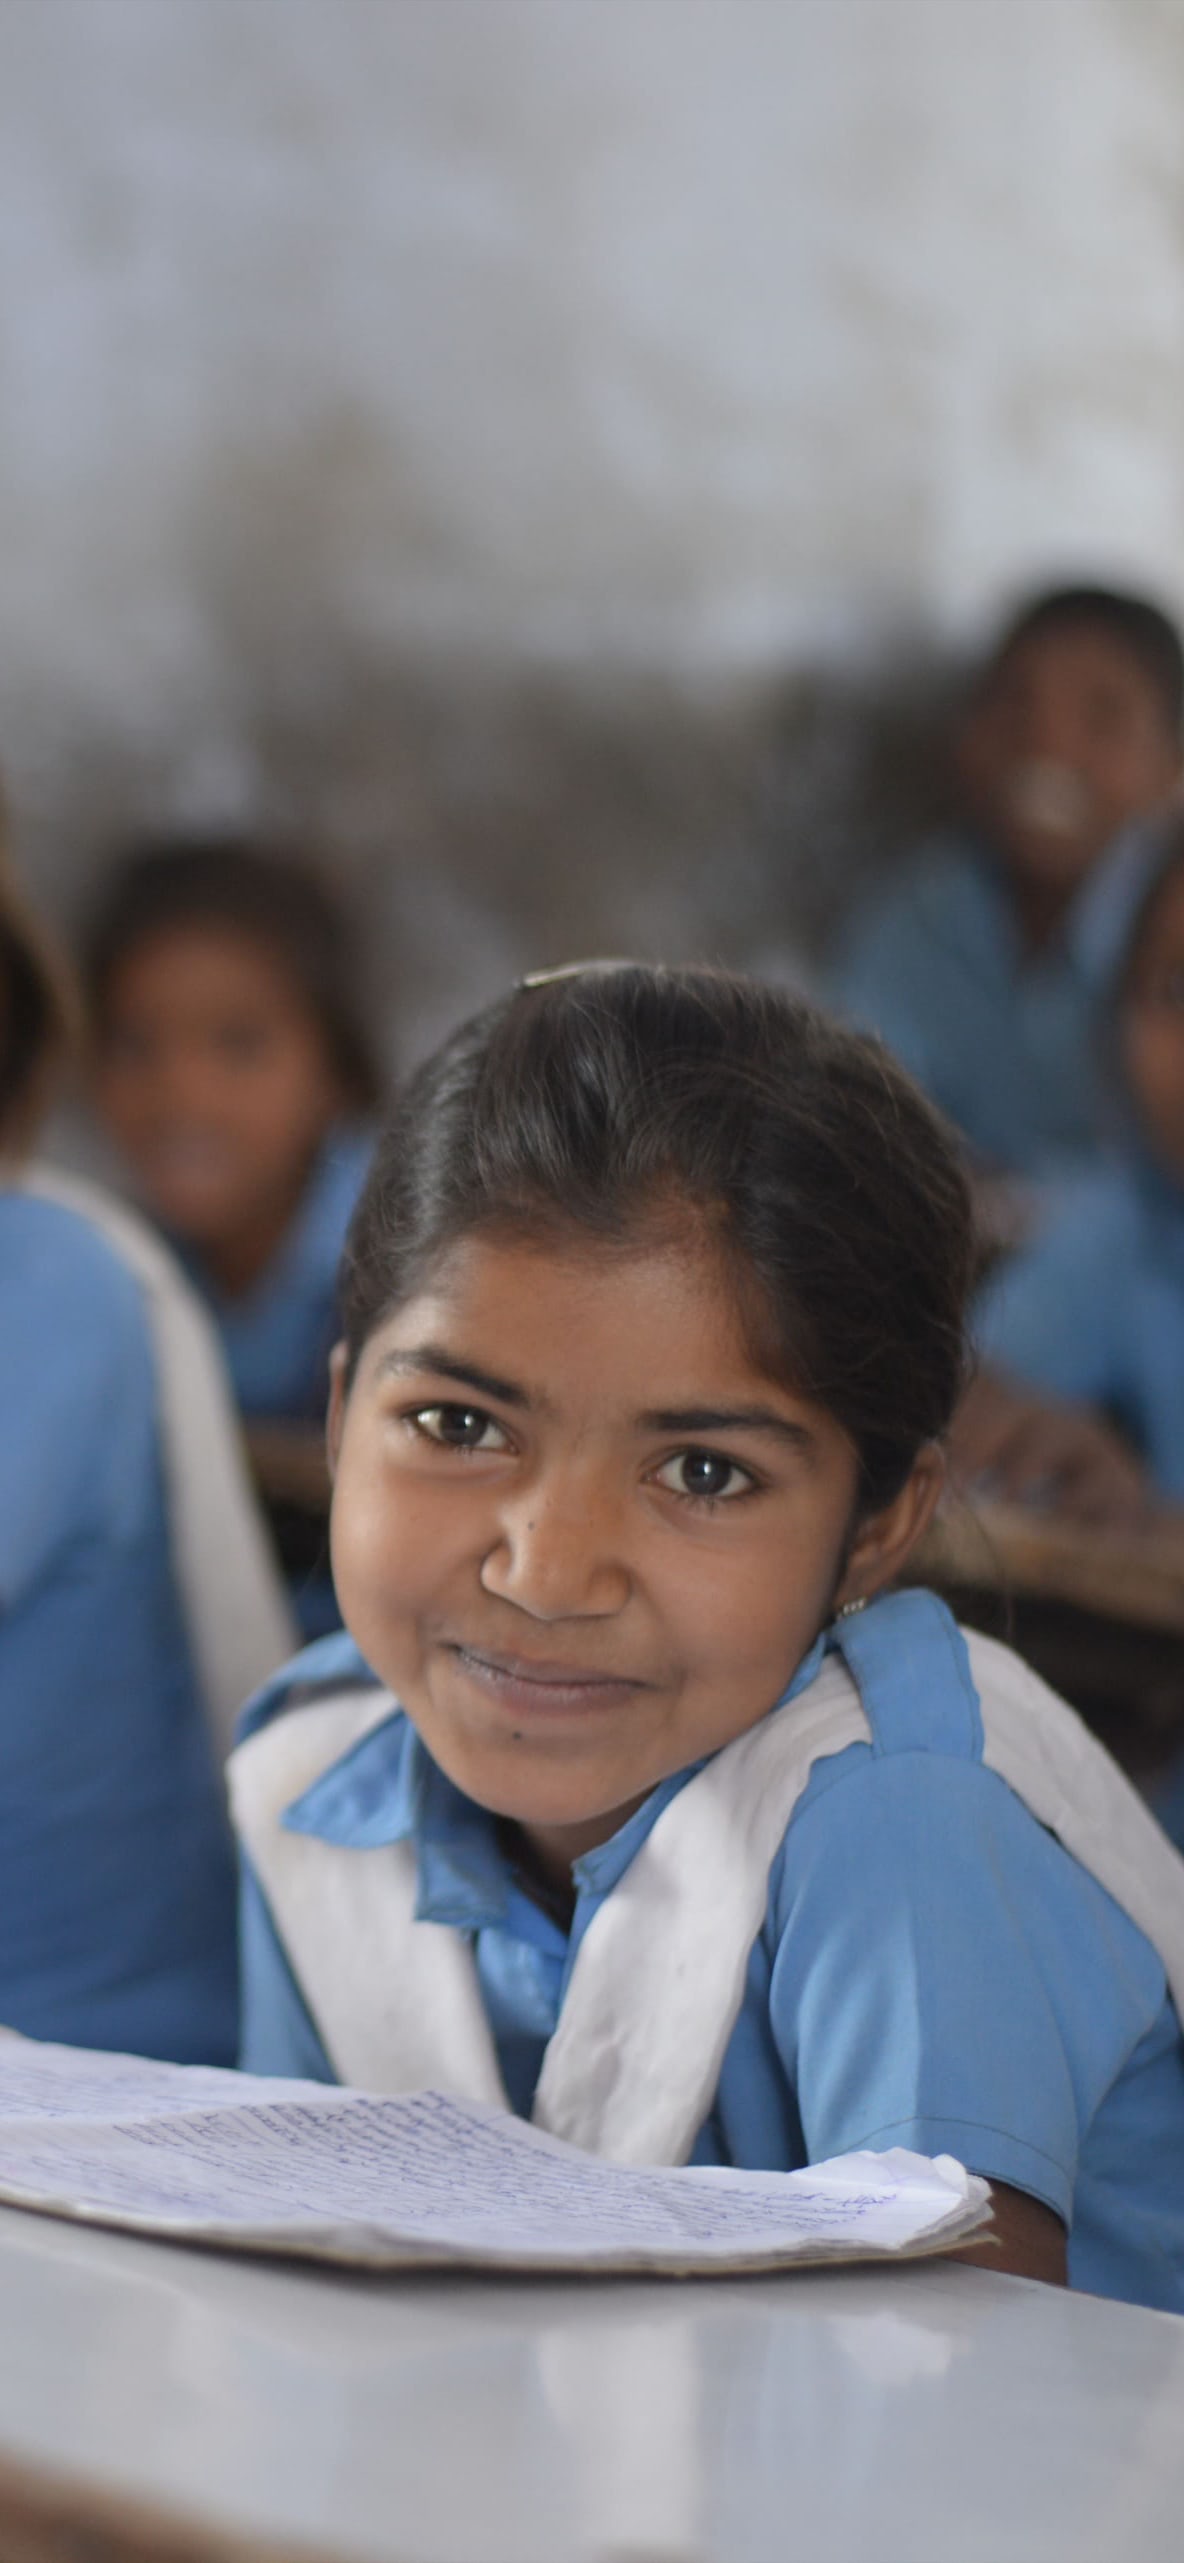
(335,1419)
(883,1542)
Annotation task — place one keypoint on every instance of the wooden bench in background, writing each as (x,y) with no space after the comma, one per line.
(1099,1613)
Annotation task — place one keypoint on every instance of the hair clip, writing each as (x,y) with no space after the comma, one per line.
(573,970)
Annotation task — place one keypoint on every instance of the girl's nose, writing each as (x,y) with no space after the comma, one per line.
(559,1555)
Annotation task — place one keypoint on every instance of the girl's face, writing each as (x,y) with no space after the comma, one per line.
(213,1079)
(578,1534)
(1067,743)
(1153,1027)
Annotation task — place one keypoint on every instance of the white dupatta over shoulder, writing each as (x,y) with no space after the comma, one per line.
(237,1614)
(632,2068)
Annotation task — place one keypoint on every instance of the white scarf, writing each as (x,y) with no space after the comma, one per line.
(237,1615)
(657,1984)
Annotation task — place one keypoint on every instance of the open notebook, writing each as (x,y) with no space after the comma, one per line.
(426,2181)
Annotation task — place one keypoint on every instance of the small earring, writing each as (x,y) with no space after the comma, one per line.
(847,1610)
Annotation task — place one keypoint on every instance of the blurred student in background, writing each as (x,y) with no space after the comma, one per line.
(232,1071)
(986,964)
(136,1597)
(1080,1405)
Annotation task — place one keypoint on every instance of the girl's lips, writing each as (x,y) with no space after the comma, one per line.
(522,1684)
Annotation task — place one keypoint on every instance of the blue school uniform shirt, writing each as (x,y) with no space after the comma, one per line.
(277,1337)
(1005,1042)
(934,1970)
(1093,1310)
(117,1889)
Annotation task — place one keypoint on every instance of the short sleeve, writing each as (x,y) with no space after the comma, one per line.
(1050,1318)
(947,1977)
(277,2034)
(77,1391)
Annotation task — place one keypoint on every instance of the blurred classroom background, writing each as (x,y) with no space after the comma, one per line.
(555,459)
(485,485)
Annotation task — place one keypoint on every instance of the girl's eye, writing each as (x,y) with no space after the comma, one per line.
(705,1476)
(459,1428)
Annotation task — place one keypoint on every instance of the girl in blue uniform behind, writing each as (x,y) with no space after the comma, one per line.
(117,1906)
(636,1798)
(233,1072)
(1083,1330)
(988,965)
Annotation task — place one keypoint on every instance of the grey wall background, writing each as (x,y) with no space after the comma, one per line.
(544,449)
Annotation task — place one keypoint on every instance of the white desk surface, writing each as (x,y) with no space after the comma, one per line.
(923,2415)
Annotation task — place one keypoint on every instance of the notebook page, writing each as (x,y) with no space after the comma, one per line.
(340,2175)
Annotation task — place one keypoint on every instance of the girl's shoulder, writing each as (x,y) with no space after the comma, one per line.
(1109,1205)
(76,1331)
(965,1745)
(944,890)
(52,1246)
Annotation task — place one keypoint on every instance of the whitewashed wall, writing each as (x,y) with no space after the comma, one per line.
(393,392)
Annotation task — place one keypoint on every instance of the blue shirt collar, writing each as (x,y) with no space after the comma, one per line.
(386,1788)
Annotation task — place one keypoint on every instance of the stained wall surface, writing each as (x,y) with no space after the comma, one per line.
(530,442)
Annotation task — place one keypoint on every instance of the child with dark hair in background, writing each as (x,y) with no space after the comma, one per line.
(636,1799)
(986,965)
(234,1074)
(1081,1404)
(232,1070)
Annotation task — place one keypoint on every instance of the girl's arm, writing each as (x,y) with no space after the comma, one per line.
(1027,2240)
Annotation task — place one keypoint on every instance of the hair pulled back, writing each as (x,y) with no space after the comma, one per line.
(36,1017)
(604,1100)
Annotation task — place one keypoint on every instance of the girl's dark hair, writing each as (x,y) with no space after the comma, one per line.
(605,1100)
(276,899)
(1139,627)
(36,1018)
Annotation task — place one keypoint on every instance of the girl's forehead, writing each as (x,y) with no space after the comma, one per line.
(572,1315)
(196,942)
(202,969)
(502,1275)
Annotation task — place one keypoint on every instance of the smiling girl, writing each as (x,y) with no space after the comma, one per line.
(232,1074)
(617,1806)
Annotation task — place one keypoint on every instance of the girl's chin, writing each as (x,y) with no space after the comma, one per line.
(506,1785)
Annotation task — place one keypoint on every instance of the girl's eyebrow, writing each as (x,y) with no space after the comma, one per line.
(432,1357)
(729,1419)
(661,1419)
